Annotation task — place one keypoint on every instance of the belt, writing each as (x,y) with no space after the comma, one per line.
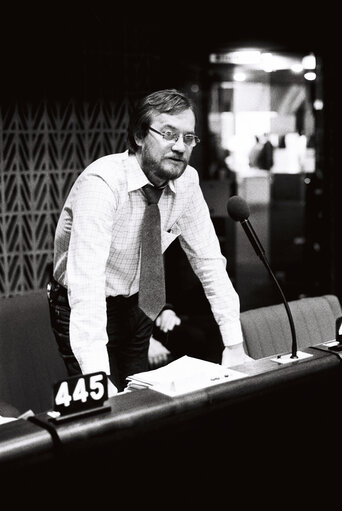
(55,289)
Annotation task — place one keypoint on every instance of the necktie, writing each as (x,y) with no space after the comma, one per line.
(152,280)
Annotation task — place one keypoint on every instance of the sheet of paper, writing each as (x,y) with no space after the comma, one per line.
(185,374)
(4,420)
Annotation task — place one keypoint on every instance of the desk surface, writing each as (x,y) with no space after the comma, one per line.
(139,422)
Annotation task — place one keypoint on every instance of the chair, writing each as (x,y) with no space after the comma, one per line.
(267,331)
(29,359)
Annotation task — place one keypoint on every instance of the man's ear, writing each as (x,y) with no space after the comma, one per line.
(138,140)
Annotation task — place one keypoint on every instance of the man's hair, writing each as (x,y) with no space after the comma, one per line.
(169,101)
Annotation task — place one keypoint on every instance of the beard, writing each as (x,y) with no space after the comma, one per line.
(164,168)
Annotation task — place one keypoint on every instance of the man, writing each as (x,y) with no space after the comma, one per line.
(95,290)
(265,158)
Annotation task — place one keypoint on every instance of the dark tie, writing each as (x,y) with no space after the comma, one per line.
(152,280)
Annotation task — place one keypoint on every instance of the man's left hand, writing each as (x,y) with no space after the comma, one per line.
(234,355)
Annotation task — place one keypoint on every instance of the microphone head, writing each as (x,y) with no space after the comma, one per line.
(238,208)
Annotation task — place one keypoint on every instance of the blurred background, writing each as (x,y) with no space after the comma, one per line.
(69,78)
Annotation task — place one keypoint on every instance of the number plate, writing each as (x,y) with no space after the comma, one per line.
(81,392)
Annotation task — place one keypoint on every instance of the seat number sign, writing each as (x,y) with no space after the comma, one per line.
(82,392)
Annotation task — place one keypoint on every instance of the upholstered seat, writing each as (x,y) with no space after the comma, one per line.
(29,360)
(267,331)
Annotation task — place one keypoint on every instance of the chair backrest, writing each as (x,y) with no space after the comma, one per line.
(267,331)
(29,360)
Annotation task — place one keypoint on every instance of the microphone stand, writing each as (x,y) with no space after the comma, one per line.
(253,238)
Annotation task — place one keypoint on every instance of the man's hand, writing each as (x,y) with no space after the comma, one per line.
(157,353)
(167,320)
(234,355)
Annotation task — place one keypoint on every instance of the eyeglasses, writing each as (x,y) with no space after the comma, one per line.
(189,139)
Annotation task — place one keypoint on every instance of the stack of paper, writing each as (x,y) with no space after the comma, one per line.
(185,374)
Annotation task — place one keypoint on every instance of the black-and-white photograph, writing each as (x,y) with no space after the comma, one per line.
(170,256)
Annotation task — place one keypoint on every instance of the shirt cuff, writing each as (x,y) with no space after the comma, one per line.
(231,333)
(94,361)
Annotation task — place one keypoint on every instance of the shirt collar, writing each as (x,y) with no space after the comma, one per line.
(136,178)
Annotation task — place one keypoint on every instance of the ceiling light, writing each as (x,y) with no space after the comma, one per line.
(309,61)
(310,75)
(267,62)
(318,104)
(239,76)
(297,68)
(245,57)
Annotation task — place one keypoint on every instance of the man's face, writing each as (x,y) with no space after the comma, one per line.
(162,160)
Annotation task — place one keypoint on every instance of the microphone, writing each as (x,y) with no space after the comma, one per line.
(239,211)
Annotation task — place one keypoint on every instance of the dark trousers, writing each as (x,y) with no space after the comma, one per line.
(128,328)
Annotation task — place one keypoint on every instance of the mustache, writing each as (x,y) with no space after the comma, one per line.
(176,158)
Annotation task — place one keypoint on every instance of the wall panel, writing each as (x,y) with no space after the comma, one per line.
(43,148)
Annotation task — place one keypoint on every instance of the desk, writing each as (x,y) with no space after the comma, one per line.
(275,406)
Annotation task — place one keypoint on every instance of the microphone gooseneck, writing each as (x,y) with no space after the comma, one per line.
(238,210)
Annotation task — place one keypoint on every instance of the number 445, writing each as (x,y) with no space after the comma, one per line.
(87,388)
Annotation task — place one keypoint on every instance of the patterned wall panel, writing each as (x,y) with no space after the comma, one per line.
(43,148)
